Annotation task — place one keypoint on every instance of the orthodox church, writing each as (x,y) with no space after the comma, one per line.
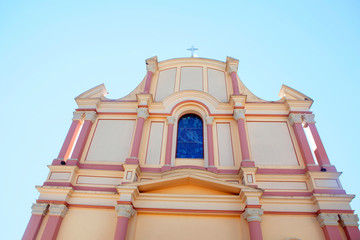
(191,153)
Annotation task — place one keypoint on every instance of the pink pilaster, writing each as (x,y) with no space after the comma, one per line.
(38,213)
(149,76)
(169,143)
(331,233)
(239,116)
(151,67)
(253,217)
(124,212)
(352,232)
(235,83)
(210,143)
(330,225)
(69,140)
(296,122)
(350,224)
(134,155)
(57,213)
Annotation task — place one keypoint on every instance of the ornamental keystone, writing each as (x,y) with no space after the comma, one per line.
(152,64)
(308,118)
(58,210)
(171,120)
(253,214)
(349,220)
(295,118)
(328,219)
(125,210)
(39,208)
(142,113)
(90,116)
(209,120)
(239,114)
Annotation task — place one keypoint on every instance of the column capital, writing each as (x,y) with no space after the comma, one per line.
(239,114)
(152,64)
(142,113)
(58,210)
(90,116)
(125,210)
(295,118)
(39,208)
(308,118)
(209,120)
(349,220)
(78,116)
(232,64)
(253,214)
(328,219)
(171,119)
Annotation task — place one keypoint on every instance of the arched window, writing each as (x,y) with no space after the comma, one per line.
(190,140)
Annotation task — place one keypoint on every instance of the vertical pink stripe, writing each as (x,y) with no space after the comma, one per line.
(320,150)
(210,145)
(303,144)
(80,144)
(33,227)
(169,141)
(243,141)
(121,228)
(52,228)
(352,232)
(69,140)
(148,82)
(235,83)
(137,137)
(255,230)
(332,233)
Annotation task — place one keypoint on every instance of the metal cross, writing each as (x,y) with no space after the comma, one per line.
(192,49)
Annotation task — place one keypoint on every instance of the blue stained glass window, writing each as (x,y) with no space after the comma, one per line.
(190,143)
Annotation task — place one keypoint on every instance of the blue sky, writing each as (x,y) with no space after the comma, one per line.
(52,51)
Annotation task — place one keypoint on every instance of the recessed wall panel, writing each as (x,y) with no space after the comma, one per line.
(226,156)
(166,84)
(271,144)
(155,141)
(111,141)
(191,78)
(217,85)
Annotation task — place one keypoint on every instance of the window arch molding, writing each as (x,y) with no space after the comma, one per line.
(190,108)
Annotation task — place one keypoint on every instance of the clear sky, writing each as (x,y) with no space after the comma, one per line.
(52,51)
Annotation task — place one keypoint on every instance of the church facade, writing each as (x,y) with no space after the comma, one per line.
(191,153)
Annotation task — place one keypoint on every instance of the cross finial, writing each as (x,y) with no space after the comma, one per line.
(192,49)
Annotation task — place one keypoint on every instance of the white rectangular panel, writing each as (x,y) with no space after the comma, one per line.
(271,144)
(327,183)
(283,185)
(166,84)
(99,180)
(111,141)
(155,141)
(226,156)
(60,175)
(191,78)
(217,85)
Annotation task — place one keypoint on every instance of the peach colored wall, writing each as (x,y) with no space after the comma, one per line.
(190,227)
(191,78)
(217,85)
(165,84)
(275,227)
(225,148)
(90,224)
(271,144)
(111,141)
(155,143)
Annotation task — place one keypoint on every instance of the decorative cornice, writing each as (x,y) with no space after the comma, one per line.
(125,210)
(78,115)
(152,64)
(209,120)
(231,64)
(295,118)
(253,214)
(349,220)
(308,118)
(171,120)
(239,114)
(58,210)
(142,113)
(39,208)
(328,219)
(90,116)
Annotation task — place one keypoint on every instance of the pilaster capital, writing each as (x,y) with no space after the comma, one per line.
(125,210)
(308,118)
(90,116)
(142,113)
(239,114)
(328,219)
(349,220)
(152,64)
(58,210)
(232,64)
(78,116)
(253,214)
(39,208)
(295,118)
(171,119)
(209,120)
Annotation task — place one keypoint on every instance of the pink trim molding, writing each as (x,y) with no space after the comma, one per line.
(121,228)
(80,144)
(69,140)
(137,138)
(331,233)
(33,227)
(210,145)
(149,76)
(255,230)
(352,232)
(52,228)
(245,154)
(235,83)
(169,142)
